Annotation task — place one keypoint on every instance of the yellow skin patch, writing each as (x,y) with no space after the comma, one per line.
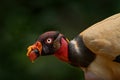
(67,40)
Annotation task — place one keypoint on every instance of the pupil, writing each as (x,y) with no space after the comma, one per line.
(49,40)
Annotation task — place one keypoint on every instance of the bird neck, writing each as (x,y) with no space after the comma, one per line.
(75,52)
(79,54)
(62,52)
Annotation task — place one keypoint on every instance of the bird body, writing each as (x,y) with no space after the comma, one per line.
(103,38)
(95,67)
(96,50)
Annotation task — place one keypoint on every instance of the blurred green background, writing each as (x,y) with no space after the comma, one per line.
(22,21)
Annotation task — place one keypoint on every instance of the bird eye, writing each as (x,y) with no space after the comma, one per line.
(49,40)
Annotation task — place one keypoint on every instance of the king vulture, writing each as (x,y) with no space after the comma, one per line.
(96,50)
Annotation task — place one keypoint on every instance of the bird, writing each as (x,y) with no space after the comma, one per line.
(96,50)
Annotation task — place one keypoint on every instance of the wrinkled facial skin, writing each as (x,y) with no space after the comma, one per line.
(50,42)
(46,44)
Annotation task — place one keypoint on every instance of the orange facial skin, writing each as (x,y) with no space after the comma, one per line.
(34,51)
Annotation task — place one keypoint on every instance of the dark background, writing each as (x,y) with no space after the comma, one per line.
(22,21)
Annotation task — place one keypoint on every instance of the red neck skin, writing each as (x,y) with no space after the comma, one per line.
(62,53)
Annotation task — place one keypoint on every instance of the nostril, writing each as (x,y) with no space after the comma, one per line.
(36,51)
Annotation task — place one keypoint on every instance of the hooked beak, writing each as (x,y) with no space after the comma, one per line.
(34,51)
